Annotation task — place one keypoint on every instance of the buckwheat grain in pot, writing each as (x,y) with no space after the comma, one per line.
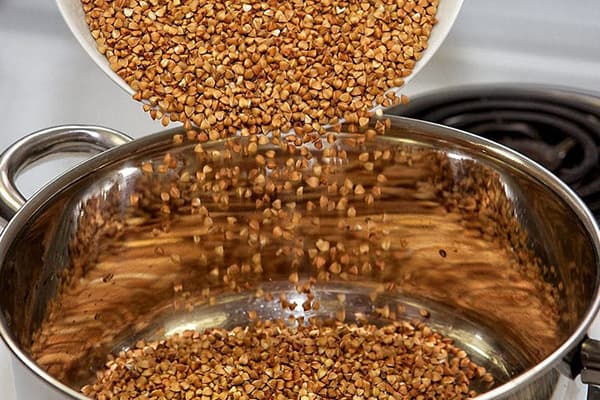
(271,360)
(248,214)
(261,66)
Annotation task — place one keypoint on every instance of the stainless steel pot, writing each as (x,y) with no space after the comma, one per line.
(504,256)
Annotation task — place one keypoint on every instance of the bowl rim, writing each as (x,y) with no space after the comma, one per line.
(442,133)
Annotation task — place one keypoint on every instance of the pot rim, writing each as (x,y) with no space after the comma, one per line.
(443,133)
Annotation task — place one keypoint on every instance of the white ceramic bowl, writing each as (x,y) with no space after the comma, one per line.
(74,16)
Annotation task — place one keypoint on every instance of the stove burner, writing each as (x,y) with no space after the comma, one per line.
(559,129)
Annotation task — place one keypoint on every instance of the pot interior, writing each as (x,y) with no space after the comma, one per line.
(493,250)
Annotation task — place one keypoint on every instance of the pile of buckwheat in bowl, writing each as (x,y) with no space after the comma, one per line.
(275,73)
(262,66)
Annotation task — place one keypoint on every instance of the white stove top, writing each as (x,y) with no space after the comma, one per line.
(46,78)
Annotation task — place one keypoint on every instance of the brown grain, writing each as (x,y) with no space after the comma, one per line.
(271,360)
(256,67)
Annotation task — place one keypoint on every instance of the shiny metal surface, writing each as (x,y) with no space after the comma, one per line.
(52,141)
(590,373)
(593,393)
(81,229)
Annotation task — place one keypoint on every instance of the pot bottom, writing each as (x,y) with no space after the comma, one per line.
(487,347)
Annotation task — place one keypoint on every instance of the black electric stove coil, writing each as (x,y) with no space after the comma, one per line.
(559,128)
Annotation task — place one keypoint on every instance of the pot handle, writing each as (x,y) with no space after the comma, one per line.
(584,360)
(590,367)
(85,139)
